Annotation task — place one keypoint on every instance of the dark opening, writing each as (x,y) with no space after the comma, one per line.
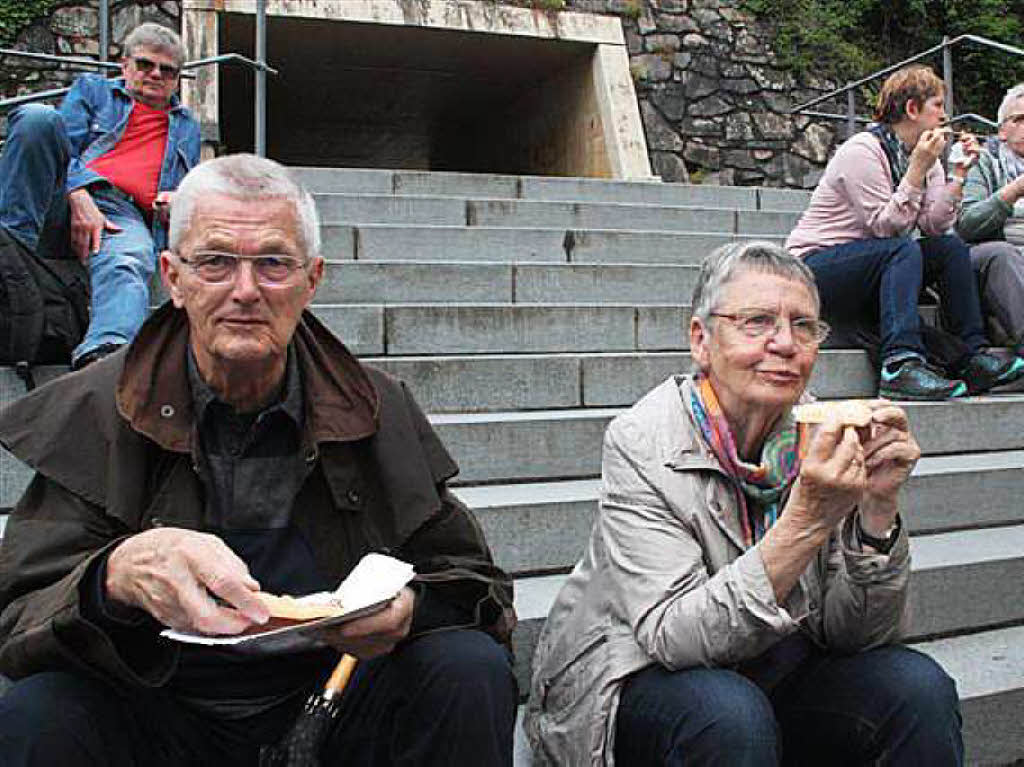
(365,95)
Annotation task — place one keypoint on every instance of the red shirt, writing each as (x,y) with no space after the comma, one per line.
(133,166)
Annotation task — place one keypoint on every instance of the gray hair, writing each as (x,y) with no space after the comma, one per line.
(726,263)
(157,37)
(248,178)
(1016,92)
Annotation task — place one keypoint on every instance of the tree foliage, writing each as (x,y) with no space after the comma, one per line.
(844,40)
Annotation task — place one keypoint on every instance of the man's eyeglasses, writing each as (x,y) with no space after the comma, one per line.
(272,271)
(806,331)
(163,71)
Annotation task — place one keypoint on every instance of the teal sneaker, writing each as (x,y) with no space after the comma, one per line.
(984,370)
(916,380)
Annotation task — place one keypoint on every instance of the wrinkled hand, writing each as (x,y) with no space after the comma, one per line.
(87,224)
(890,453)
(832,478)
(173,575)
(928,149)
(376,634)
(162,206)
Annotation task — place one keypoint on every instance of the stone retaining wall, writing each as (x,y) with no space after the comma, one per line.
(714,106)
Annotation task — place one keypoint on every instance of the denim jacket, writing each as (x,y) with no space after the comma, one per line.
(95,113)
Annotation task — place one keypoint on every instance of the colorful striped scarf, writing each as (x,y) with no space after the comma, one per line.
(763,486)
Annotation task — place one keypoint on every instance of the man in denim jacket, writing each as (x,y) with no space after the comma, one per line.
(94,179)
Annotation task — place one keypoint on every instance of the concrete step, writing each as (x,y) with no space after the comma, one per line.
(399,182)
(572,215)
(490,382)
(455,211)
(524,328)
(394,242)
(450,282)
(965,580)
(544,526)
(989,671)
(566,444)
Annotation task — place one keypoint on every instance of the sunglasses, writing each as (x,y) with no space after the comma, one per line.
(164,71)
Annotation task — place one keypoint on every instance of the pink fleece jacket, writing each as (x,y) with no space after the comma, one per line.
(855,201)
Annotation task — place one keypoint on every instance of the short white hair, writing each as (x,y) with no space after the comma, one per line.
(1016,92)
(158,38)
(728,262)
(248,178)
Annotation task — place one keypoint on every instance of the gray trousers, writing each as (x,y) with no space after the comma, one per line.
(999,267)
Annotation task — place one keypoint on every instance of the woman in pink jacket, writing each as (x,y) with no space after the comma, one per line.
(858,235)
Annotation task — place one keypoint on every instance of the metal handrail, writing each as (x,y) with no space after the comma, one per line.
(73,61)
(13,101)
(947,67)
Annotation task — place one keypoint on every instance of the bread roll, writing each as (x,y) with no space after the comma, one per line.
(305,609)
(849,412)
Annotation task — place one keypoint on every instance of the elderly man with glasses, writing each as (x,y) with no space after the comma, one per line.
(236,446)
(992,219)
(94,180)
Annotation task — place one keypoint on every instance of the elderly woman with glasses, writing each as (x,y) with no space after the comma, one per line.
(743,590)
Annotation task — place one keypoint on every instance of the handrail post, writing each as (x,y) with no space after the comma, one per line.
(851,113)
(947,74)
(260,137)
(104,25)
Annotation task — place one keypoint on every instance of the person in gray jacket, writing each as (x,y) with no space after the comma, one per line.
(992,220)
(745,584)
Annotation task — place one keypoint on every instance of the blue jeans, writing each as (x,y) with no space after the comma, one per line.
(34,210)
(889,706)
(879,280)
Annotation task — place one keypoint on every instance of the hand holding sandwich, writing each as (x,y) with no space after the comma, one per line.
(187,580)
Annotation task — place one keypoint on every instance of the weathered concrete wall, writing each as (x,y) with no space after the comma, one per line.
(714,106)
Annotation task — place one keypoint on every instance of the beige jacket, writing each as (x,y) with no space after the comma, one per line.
(665,579)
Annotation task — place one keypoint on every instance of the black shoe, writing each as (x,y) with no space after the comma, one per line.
(92,355)
(915,379)
(984,370)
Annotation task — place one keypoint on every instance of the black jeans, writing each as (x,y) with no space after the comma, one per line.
(880,280)
(443,699)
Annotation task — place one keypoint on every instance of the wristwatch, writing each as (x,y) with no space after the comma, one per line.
(881,545)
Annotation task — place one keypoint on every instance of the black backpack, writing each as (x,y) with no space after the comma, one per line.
(44,308)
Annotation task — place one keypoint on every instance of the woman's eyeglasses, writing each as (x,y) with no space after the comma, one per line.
(806,331)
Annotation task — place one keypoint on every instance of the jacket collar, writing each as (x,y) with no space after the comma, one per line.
(153,394)
(120,87)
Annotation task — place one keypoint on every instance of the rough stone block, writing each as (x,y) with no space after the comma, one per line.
(638,192)
(455,184)
(359,282)
(599,216)
(488,382)
(386,209)
(360,327)
(459,243)
(605,283)
(516,328)
(663,327)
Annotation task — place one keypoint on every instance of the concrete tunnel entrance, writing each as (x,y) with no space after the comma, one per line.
(379,96)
